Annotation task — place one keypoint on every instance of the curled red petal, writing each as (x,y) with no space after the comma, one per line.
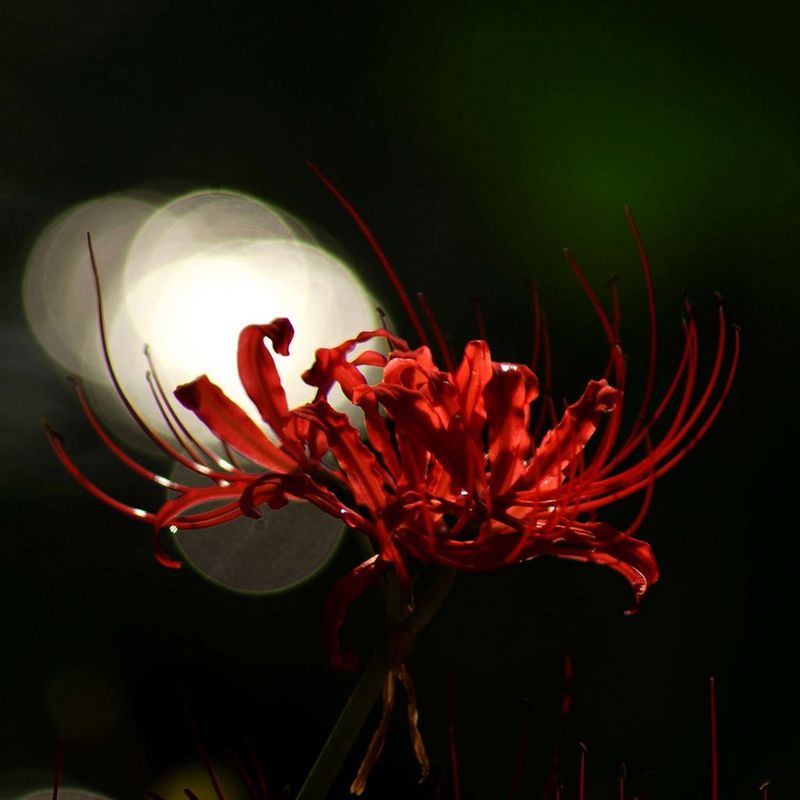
(364,475)
(331,365)
(507,398)
(258,373)
(230,424)
(420,422)
(632,558)
(566,441)
(345,591)
(471,378)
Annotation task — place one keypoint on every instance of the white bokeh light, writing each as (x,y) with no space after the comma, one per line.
(58,292)
(185,278)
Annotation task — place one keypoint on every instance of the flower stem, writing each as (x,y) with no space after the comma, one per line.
(341,739)
(343,736)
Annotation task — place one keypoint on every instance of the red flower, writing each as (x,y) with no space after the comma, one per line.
(455,469)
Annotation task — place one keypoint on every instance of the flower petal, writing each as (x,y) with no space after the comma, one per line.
(420,423)
(566,441)
(345,591)
(258,373)
(632,558)
(507,398)
(364,474)
(230,424)
(471,378)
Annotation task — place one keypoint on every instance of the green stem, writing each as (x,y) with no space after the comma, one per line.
(343,736)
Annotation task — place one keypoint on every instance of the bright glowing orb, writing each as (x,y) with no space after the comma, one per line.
(185,278)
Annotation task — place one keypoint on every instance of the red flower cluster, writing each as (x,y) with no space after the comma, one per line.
(454,469)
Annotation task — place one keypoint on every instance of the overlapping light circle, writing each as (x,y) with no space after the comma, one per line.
(184,276)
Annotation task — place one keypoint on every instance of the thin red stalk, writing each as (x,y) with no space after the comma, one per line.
(714,765)
(624,477)
(168,421)
(57,444)
(451,735)
(519,767)
(582,772)
(537,324)
(651,307)
(248,781)
(60,748)
(621,784)
(437,332)
(477,309)
(589,292)
(566,706)
(545,389)
(201,750)
(673,438)
(632,442)
(115,449)
(231,456)
(163,445)
(262,781)
(648,496)
(616,310)
(207,452)
(376,248)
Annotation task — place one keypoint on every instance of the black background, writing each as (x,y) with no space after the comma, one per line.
(477,143)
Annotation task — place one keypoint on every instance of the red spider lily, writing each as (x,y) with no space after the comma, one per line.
(454,469)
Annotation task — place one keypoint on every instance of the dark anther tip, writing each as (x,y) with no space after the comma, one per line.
(737,327)
(613,278)
(51,431)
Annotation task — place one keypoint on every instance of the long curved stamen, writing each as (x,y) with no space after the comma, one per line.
(56,442)
(633,442)
(653,328)
(190,437)
(676,434)
(629,475)
(441,343)
(163,445)
(168,421)
(480,321)
(129,462)
(537,325)
(648,495)
(546,406)
(451,735)
(691,356)
(376,248)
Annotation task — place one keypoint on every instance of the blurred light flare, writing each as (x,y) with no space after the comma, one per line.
(185,276)
(259,556)
(58,291)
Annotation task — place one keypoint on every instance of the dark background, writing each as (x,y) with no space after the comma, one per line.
(477,143)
